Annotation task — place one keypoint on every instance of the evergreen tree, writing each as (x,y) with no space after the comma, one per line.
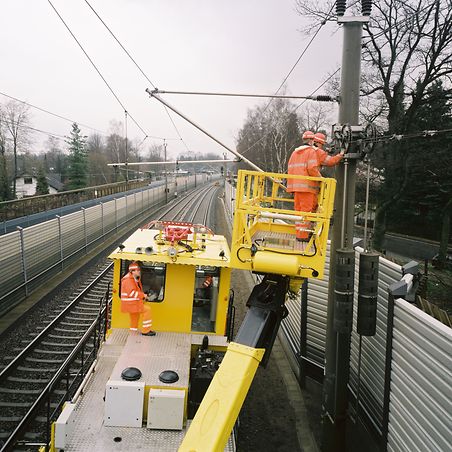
(419,210)
(42,187)
(78,159)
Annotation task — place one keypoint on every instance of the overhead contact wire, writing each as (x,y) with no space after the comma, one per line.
(288,75)
(50,113)
(95,67)
(136,65)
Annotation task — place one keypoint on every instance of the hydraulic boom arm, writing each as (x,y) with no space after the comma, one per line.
(215,418)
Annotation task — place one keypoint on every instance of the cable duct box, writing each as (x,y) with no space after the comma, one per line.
(166,409)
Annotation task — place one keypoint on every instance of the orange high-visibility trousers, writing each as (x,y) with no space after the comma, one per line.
(304,202)
(147,320)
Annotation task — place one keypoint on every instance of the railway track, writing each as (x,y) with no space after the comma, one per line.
(46,371)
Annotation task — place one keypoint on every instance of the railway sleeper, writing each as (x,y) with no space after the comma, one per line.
(78,321)
(7,419)
(15,390)
(64,338)
(52,352)
(60,344)
(33,370)
(92,298)
(87,307)
(71,331)
(86,312)
(43,360)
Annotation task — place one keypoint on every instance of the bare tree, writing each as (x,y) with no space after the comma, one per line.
(409,48)
(270,134)
(406,49)
(315,117)
(16,121)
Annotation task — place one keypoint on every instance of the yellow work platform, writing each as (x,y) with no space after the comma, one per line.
(264,226)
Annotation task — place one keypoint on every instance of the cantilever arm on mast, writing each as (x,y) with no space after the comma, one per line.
(232,151)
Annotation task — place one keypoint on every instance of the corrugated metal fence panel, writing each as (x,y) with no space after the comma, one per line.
(139,202)
(131,206)
(291,324)
(109,217)
(73,234)
(11,275)
(317,314)
(420,412)
(93,218)
(373,349)
(42,249)
(121,210)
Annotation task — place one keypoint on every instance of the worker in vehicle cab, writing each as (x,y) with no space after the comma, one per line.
(304,162)
(324,158)
(133,298)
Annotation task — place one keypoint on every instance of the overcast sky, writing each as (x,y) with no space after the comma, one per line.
(204,45)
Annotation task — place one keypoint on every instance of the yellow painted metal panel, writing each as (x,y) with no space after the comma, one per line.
(223,300)
(175,311)
(118,319)
(206,249)
(215,418)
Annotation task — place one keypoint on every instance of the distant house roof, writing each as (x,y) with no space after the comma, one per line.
(54,180)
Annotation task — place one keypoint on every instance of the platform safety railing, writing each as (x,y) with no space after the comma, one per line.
(264,233)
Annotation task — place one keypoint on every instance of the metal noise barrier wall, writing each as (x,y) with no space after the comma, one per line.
(33,255)
(420,402)
(420,406)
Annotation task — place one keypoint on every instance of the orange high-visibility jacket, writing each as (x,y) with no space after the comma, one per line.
(327,160)
(132,294)
(303,162)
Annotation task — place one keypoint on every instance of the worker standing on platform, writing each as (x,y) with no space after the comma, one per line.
(304,162)
(132,300)
(324,158)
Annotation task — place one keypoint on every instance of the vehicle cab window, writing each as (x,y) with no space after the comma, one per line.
(153,276)
(205,298)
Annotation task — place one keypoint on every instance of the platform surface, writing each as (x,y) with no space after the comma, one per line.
(279,240)
(90,433)
(154,354)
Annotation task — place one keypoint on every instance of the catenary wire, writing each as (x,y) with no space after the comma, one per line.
(382,32)
(136,65)
(36,130)
(53,114)
(290,72)
(294,110)
(96,68)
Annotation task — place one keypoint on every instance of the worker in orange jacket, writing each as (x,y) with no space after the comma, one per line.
(324,158)
(304,162)
(132,300)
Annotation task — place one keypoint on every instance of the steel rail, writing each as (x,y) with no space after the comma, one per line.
(190,205)
(52,324)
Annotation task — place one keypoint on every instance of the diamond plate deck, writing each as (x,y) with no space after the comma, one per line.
(279,240)
(154,354)
(89,432)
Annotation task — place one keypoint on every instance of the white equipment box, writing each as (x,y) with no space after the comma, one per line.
(124,403)
(64,426)
(166,409)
